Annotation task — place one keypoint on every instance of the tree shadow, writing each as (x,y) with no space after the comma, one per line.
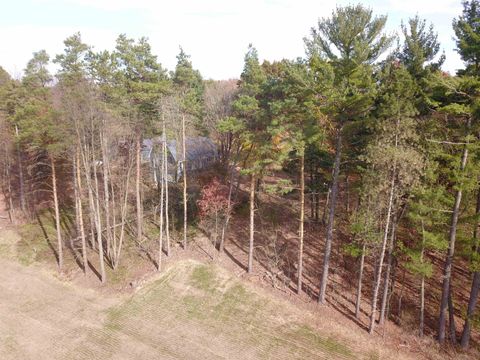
(234,259)
(94,270)
(45,234)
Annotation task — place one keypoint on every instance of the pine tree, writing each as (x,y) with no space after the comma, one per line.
(41,131)
(255,137)
(189,85)
(467,32)
(394,166)
(350,40)
(293,108)
(139,83)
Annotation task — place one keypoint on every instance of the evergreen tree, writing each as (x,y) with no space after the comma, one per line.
(351,40)
(255,138)
(293,108)
(394,165)
(467,33)
(139,83)
(42,133)
(189,86)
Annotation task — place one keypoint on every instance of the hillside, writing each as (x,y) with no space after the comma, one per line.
(191,311)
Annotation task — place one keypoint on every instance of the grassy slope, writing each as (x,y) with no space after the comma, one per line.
(198,311)
(191,311)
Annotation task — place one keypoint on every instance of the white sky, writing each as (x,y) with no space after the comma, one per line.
(216,33)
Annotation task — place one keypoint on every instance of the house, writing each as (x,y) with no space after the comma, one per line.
(201,152)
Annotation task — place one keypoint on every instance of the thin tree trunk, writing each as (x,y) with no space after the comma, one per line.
(360,278)
(123,219)
(317,197)
(165,162)
(57,214)
(447,271)
(470,310)
(8,180)
(400,297)
(80,211)
(327,202)
(331,218)
(252,223)
(23,202)
(347,195)
(229,206)
(138,148)
(422,287)
(93,223)
(451,317)
(302,217)
(162,187)
(215,238)
(184,150)
(386,279)
(106,192)
(378,277)
(312,194)
(99,226)
(392,287)
(472,302)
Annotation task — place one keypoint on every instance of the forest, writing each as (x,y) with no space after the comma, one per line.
(358,161)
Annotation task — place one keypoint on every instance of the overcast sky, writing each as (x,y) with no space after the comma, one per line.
(216,33)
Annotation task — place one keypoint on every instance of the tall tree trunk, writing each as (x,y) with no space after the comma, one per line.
(106,191)
(360,278)
(165,162)
(447,271)
(302,217)
(229,205)
(227,217)
(472,302)
(422,287)
(252,223)
(400,297)
(123,219)
(184,151)
(91,203)
(347,195)
(57,214)
(215,237)
(162,187)
(138,177)
(378,276)
(451,317)
(331,218)
(79,205)
(98,218)
(8,180)
(325,208)
(23,202)
(386,279)
(312,193)
(87,165)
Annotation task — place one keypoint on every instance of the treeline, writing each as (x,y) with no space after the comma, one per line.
(365,116)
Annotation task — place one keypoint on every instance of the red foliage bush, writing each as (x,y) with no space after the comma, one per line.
(213,200)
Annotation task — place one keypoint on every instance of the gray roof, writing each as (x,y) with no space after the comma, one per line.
(197,148)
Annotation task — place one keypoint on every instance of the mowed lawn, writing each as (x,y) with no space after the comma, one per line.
(191,311)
